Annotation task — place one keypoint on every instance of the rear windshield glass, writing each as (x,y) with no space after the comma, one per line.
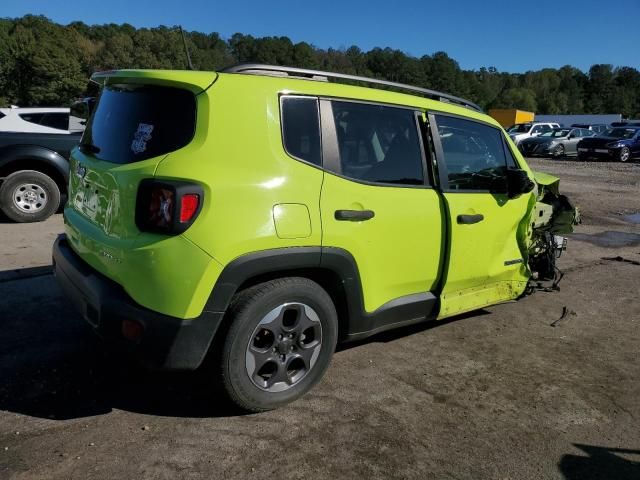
(132,123)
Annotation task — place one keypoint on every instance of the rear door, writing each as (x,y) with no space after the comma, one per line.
(377,201)
(485,263)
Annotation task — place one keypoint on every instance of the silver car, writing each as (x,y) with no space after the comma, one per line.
(557,143)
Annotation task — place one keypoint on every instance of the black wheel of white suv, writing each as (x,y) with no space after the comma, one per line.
(279,344)
(29,196)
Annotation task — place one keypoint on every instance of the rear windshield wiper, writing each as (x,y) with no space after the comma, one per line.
(88,148)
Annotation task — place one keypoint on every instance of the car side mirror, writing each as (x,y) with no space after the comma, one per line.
(571,135)
(518,183)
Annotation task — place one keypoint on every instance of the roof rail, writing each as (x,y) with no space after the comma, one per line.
(262,69)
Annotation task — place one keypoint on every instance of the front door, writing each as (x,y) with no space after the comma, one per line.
(485,263)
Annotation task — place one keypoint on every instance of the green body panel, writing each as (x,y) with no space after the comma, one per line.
(245,172)
(257,197)
(547,180)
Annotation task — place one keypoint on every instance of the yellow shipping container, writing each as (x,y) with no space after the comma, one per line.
(510,116)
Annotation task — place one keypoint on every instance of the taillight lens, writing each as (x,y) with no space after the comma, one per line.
(189,206)
(167,206)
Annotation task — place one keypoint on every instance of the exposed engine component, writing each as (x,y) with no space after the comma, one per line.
(553,215)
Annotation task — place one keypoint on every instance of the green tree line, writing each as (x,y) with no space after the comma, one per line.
(43,63)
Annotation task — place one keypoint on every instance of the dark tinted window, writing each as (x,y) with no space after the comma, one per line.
(132,123)
(55,120)
(301,128)
(32,117)
(511,160)
(474,156)
(378,144)
(2,115)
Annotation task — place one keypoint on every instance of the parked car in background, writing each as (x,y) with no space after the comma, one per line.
(34,172)
(522,131)
(618,143)
(556,143)
(598,128)
(39,120)
(34,152)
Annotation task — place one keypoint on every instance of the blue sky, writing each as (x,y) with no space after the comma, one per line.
(510,35)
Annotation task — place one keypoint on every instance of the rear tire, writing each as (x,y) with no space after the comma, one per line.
(279,343)
(29,196)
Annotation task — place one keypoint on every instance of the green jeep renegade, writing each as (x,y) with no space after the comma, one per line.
(262,214)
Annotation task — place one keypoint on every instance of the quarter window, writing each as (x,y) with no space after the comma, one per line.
(474,156)
(301,128)
(55,120)
(378,144)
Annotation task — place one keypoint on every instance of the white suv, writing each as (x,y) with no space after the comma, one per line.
(39,120)
(520,131)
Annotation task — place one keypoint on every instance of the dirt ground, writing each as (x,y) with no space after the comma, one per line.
(497,394)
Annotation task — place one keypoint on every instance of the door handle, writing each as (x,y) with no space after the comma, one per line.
(470,219)
(354,215)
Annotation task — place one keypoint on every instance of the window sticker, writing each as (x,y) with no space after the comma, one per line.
(141,137)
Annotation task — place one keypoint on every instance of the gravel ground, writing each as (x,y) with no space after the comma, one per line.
(497,394)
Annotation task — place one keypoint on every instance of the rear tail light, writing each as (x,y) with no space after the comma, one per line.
(189,206)
(168,207)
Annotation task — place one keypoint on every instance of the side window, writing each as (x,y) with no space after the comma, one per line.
(511,160)
(32,117)
(378,144)
(536,129)
(55,120)
(474,155)
(301,128)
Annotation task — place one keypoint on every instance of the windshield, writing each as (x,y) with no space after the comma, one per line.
(620,132)
(519,128)
(563,132)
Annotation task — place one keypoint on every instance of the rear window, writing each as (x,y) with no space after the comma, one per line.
(132,123)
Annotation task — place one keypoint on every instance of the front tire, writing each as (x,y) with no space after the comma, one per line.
(279,344)
(29,196)
(558,152)
(625,154)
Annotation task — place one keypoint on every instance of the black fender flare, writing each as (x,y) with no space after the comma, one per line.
(358,323)
(15,153)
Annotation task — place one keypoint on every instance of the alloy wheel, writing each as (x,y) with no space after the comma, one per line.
(625,154)
(29,197)
(284,347)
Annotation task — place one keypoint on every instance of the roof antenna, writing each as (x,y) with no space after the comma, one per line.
(186,49)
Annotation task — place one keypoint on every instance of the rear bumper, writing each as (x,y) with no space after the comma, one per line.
(166,342)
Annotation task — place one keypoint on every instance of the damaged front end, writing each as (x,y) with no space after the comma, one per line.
(553,216)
